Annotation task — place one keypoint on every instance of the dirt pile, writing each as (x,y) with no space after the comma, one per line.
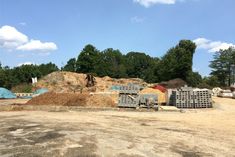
(51,98)
(161,96)
(100,100)
(63,82)
(175,83)
(66,82)
(72,99)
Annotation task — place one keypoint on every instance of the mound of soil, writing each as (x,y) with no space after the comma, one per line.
(66,82)
(100,100)
(175,83)
(161,96)
(52,98)
(72,99)
(63,82)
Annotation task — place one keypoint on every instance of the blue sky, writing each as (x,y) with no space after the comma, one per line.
(40,31)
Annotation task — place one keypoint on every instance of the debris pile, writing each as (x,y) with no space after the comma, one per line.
(66,82)
(175,83)
(72,99)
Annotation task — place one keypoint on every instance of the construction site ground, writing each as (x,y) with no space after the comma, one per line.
(87,133)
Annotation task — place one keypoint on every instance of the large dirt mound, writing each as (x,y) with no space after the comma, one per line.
(72,99)
(161,96)
(65,82)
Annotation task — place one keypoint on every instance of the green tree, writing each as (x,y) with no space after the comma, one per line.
(139,64)
(111,64)
(194,79)
(25,73)
(222,66)
(88,59)
(178,61)
(210,82)
(47,68)
(21,75)
(70,66)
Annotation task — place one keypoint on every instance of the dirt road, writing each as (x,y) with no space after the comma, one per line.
(195,133)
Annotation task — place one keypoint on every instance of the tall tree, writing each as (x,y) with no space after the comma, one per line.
(223,66)
(88,59)
(111,64)
(178,61)
(138,63)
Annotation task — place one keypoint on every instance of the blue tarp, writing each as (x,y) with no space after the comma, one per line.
(115,87)
(6,94)
(40,91)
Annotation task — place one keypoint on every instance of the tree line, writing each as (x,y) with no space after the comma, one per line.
(176,63)
(10,77)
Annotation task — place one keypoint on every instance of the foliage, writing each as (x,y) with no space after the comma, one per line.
(70,66)
(88,59)
(223,66)
(194,79)
(209,82)
(47,68)
(177,63)
(23,74)
(111,64)
(22,88)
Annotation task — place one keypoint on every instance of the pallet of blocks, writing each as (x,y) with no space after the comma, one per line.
(182,98)
(129,96)
(203,99)
(186,97)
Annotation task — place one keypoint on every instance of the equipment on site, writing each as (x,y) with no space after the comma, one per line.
(90,80)
(129,97)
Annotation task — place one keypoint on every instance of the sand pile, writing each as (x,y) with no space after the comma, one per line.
(66,82)
(72,99)
(175,83)
(161,95)
(63,82)
(100,100)
(51,98)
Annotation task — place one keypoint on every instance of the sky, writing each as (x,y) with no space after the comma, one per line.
(42,31)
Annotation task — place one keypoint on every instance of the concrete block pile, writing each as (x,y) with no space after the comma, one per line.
(186,97)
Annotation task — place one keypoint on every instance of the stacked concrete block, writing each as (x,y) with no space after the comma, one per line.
(183,98)
(129,96)
(186,97)
(203,99)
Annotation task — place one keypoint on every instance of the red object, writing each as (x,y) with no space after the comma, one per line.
(161,88)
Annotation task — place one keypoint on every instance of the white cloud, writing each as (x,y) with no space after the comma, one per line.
(37,45)
(25,63)
(137,19)
(12,39)
(148,3)
(212,46)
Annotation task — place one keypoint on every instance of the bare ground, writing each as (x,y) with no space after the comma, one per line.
(194,133)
